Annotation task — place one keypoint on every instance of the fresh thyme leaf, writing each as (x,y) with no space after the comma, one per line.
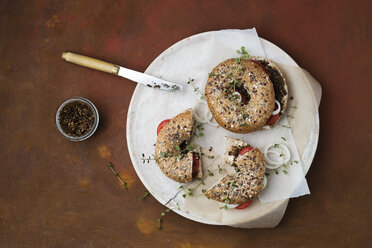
(163,154)
(210,156)
(290,116)
(276,145)
(219,169)
(210,173)
(190,80)
(201,134)
(145,195)
(210,74)
(190,190)
(180,187)
(285,172)
(203,191)
(184,195)
(276,172)
(296,161)
(282,155)
(284,139)
(199,126)
(267,174)
(225,207)
(202,182)
(178,206)
(286,126)
(227,201)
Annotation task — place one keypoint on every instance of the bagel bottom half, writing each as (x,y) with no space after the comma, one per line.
(175,155)
(245,184)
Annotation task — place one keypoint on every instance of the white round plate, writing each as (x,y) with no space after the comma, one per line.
(150,174)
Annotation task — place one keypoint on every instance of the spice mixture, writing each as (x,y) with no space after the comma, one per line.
(76,118)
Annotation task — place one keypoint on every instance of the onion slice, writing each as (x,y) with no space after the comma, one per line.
(264,182)
(229,206)
(207,118)
(272,164)
(200,105)
(277,111)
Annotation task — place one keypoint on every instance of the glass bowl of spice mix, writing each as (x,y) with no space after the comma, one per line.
(77,119)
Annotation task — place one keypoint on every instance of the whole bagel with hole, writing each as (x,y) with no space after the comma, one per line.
(246,95)
(240,95)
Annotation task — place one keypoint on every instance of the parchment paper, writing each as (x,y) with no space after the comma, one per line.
(195,62)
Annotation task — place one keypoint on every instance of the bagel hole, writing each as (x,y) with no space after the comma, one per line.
(245,97)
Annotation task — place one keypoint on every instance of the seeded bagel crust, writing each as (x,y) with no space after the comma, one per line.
(229,113)
(244,185)
(278,80)
(176,131)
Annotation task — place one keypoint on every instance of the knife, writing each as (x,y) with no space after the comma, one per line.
(135,76)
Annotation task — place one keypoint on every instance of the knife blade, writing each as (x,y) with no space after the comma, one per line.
(142,78)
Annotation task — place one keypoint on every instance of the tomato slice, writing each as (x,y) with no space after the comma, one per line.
(244,205)
(260,65)
(245,150)
(161,125)
(195,164)
(272,120)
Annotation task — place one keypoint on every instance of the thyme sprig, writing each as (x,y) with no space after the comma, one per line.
(148,159)
(145,195)
(199,128)
(243,54)
(152,157)
(160,220)
(123,183)
(196,89)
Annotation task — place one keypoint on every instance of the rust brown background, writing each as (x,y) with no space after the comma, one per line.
(56,193)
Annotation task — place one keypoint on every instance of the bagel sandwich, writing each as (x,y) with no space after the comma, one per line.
(247,182)
(176,157)
(246,95)
(240,95)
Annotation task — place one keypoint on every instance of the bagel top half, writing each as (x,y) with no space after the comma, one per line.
(246,78)
(244,185)
(279,82)
(177,131)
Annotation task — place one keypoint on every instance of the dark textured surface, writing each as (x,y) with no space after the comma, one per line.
(56,193)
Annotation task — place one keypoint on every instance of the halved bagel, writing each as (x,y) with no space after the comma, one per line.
(175,160)
(233,147)
(278,80)
(245,184)
(246,78)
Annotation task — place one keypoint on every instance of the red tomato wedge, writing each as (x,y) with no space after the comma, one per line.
(161,125)
(244,205)
(260,65)
(195,163)
(245,150)
(272,120)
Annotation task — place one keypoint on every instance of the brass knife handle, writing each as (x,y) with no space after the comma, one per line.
(90,62)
